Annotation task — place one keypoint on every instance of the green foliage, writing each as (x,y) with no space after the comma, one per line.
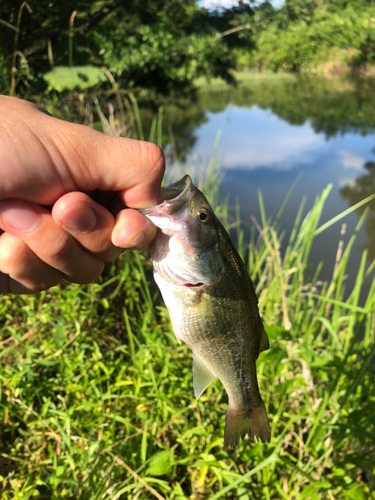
(161,45)
(307,33)
(97,399)
(165,45)
(78,77)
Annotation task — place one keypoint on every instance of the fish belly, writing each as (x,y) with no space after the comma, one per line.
(223,333)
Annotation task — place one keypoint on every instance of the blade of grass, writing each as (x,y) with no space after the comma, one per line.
(338,217)
(268,461)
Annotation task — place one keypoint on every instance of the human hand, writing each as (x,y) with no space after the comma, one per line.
(88,178)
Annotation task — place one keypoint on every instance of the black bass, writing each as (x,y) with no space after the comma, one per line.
(212,304)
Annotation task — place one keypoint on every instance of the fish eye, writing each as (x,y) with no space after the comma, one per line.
(203,215)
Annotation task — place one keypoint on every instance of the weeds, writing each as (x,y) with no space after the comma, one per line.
(97,398)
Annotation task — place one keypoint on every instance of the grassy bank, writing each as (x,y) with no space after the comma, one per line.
(246,77)
(97,398)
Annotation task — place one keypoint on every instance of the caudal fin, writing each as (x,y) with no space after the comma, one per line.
(252,422)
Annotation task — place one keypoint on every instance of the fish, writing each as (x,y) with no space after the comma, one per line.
(212,304)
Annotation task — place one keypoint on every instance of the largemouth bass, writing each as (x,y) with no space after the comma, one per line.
(212,304)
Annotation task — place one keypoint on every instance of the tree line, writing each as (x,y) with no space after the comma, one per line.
(164,45)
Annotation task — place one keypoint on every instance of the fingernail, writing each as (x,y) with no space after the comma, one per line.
(79,218)
(20,215)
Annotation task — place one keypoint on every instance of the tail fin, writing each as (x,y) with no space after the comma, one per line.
(252,421)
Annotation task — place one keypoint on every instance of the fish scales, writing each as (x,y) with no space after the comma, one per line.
(212,304)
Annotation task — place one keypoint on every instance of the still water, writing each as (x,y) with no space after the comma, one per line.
(273,131)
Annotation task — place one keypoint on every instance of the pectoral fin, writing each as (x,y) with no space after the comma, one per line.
(202,377)
(264,342)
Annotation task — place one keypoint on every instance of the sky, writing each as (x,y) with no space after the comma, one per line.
(211,4)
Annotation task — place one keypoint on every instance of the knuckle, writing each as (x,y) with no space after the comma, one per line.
(88,275)
(112,254)
(13,251)
(45,284)
(156,156)
(59,249)
(102,245)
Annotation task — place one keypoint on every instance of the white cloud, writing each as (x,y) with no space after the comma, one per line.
(273,143)
(350,160)
(346,181)
(214,4)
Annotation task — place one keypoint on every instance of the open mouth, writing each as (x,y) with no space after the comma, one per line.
(177,190)
(174,197)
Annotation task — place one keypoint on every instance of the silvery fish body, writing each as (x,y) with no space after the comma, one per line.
(212,304)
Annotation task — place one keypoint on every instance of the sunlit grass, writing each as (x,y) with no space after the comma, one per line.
(97,396)
(246,77)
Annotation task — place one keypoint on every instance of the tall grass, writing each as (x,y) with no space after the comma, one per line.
(97,399)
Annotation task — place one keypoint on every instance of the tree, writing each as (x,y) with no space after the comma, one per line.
(158,44)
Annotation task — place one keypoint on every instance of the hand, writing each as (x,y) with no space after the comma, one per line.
(88,178)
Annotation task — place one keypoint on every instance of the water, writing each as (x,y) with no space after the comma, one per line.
(273,131)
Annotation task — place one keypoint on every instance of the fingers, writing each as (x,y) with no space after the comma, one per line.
(44,158)
(39,249)
(50,243)
(132,230)
(96,229)
(88,222)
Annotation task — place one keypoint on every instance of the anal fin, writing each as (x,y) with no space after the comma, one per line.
(202,377)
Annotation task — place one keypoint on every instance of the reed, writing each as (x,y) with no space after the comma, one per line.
(97,399)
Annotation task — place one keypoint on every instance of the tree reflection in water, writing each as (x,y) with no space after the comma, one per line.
(364,186)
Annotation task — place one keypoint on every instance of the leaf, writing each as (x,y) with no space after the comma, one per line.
(277,332)
(354,492)
(310,493)
(160,464)
(64,78)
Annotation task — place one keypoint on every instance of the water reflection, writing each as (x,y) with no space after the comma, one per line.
(273,131)
(362,187)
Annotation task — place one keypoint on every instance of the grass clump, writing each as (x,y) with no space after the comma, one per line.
(97,399)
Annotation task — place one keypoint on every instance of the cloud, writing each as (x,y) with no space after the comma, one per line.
(350,160)
(271,143)
(346,181)
(214,4)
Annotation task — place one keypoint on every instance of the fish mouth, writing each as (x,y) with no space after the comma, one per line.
(192,285)
(177,190)
(174,197)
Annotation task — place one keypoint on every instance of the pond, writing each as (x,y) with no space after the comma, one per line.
(276,130)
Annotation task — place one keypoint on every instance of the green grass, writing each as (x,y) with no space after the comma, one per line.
(97,396)
(245,77)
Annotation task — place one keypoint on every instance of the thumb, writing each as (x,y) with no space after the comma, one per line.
(97,161)
(44,157)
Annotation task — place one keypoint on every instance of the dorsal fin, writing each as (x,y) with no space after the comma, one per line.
(202,377)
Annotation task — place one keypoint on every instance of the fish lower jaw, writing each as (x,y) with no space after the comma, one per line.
(189,286)
(186,284)
(164,279)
